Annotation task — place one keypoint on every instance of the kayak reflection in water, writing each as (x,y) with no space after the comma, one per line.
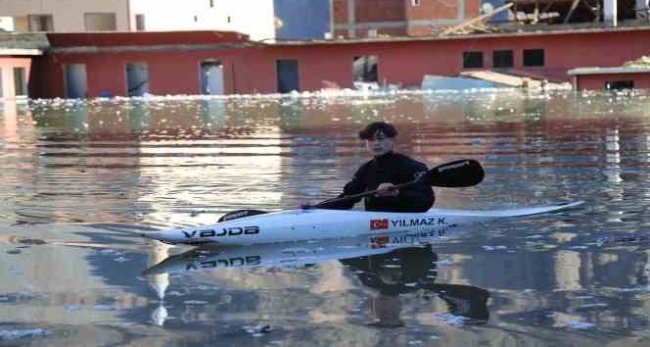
(383,172)
(413,269)
(390,270)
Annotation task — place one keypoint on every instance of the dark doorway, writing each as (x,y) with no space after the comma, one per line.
(364,68)
(287,72)
(619,85)
(137,79)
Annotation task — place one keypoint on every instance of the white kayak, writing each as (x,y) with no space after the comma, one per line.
(313,224)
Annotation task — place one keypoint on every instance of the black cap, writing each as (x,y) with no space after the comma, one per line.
(371,130)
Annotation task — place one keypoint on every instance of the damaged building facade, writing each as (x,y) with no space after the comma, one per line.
(113,64)
(386,42)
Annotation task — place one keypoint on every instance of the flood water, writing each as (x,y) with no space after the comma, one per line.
(75,173)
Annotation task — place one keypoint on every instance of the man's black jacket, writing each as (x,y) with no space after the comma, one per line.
(392,168)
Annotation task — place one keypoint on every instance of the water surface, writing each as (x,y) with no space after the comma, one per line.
(577,277)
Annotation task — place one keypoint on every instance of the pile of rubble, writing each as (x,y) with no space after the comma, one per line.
(643,62)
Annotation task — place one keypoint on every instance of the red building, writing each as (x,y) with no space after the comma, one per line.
(373,18)
(110,64)
(610,78)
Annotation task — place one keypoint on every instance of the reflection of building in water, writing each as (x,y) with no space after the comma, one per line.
(317,153)
(53,285)
(326,151)
(613,170)
(201,154)
(567,270)
(159,282)
(14,134)
(456,273)
(73,158)
(330,281)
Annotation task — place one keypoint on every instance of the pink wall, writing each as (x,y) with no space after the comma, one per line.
(7,65)
(595,82)
(252,69)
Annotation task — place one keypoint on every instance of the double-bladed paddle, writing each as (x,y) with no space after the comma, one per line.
(455,174)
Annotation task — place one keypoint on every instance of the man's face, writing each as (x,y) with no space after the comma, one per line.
(380,144)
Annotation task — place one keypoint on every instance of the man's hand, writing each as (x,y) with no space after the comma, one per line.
(387,189)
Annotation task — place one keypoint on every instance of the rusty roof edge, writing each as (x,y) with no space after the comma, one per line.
(154,48)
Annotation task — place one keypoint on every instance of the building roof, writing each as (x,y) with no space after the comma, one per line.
(19,51)
(144,38)
(201,40)
(145,41)
(607,70)
(22,43)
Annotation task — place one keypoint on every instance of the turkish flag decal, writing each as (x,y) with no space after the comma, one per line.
(377,224)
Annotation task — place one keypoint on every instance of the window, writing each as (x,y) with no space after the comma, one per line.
(364,68)
(100,21)
(416,2)
(472,60)
(618,85)
(533,57)
(20,81)
(139,22)
(502,59)
(74,77)
(40,22)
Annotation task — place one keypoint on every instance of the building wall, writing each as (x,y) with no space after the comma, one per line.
(192,15)
(598,81)
(170,73)
(224,15)
(68,16)
(431,15)
(354,18)
(252,69)
(303,19)
(6,23)
(7,65)
(255,18)
(160,15)
(399,17)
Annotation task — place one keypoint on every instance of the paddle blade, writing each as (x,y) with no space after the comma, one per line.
(456,174)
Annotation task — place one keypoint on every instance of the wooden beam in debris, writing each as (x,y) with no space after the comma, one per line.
(574,5)
(474,21)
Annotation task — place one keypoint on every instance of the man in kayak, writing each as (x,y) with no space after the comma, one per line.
(385,170)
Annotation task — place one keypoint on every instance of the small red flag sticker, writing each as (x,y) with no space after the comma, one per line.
(377,224)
